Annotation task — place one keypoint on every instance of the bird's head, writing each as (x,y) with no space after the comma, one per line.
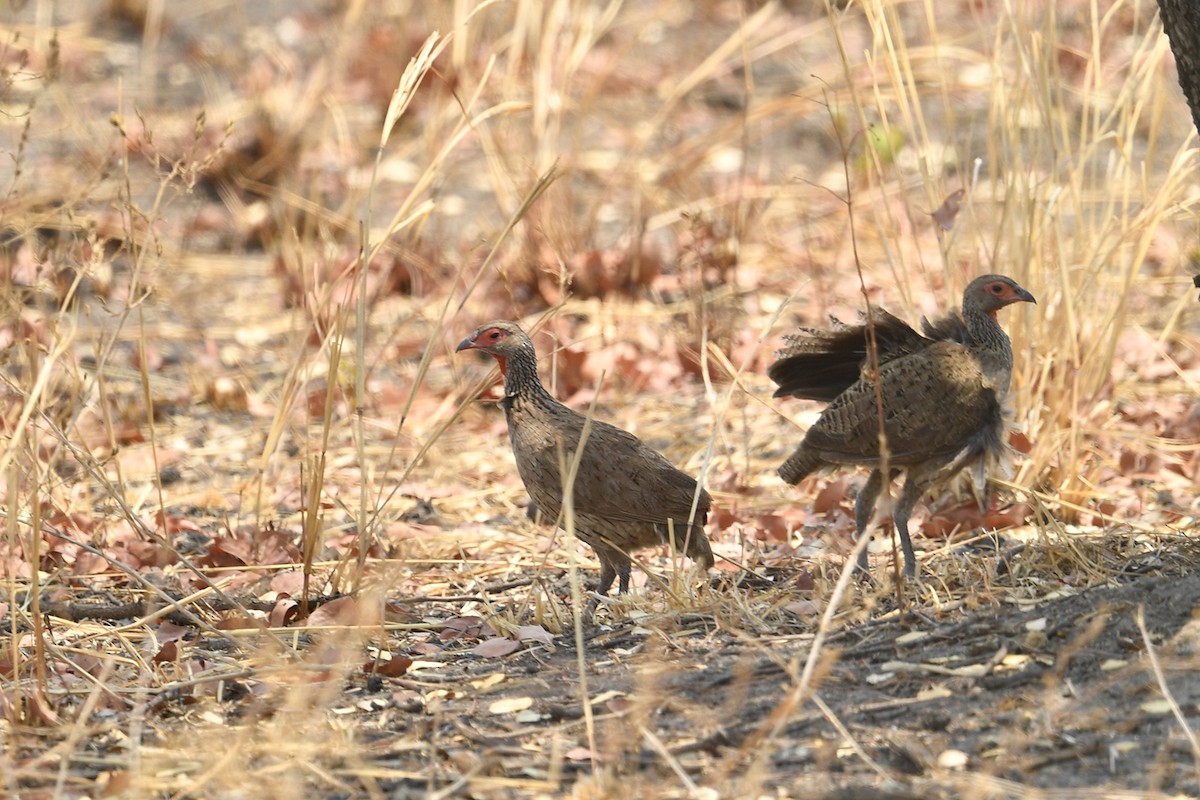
(989,293)
(502,339)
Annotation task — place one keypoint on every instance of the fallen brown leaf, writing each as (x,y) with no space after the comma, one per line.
(392,667)
(495,648)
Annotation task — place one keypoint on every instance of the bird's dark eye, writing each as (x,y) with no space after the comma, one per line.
(997,288)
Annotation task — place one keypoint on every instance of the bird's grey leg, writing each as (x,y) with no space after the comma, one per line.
(623,575)
(864,506)
(614,564)
(914,487)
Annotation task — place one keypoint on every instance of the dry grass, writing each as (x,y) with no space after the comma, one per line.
(662,189)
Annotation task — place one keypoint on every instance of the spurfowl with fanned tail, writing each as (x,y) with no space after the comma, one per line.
(626,496)
(943,395)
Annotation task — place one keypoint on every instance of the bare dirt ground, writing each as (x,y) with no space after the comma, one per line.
(670,187)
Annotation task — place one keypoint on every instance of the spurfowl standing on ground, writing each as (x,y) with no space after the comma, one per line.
(943,397)
(626,495)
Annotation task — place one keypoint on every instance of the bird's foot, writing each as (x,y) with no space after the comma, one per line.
(589,611)
(1004,565)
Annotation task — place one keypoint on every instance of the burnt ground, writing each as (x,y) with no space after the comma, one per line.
(1055,694)
(998,701)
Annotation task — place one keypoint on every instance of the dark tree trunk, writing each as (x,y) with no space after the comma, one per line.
(1181,21)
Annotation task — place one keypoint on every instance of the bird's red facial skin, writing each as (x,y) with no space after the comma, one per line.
(1005,293)
(485,340)
(490,337)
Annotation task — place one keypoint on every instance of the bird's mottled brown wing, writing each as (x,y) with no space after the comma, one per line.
(626,480)
(619,477)
(936,400)
(820,364)
(631,496)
